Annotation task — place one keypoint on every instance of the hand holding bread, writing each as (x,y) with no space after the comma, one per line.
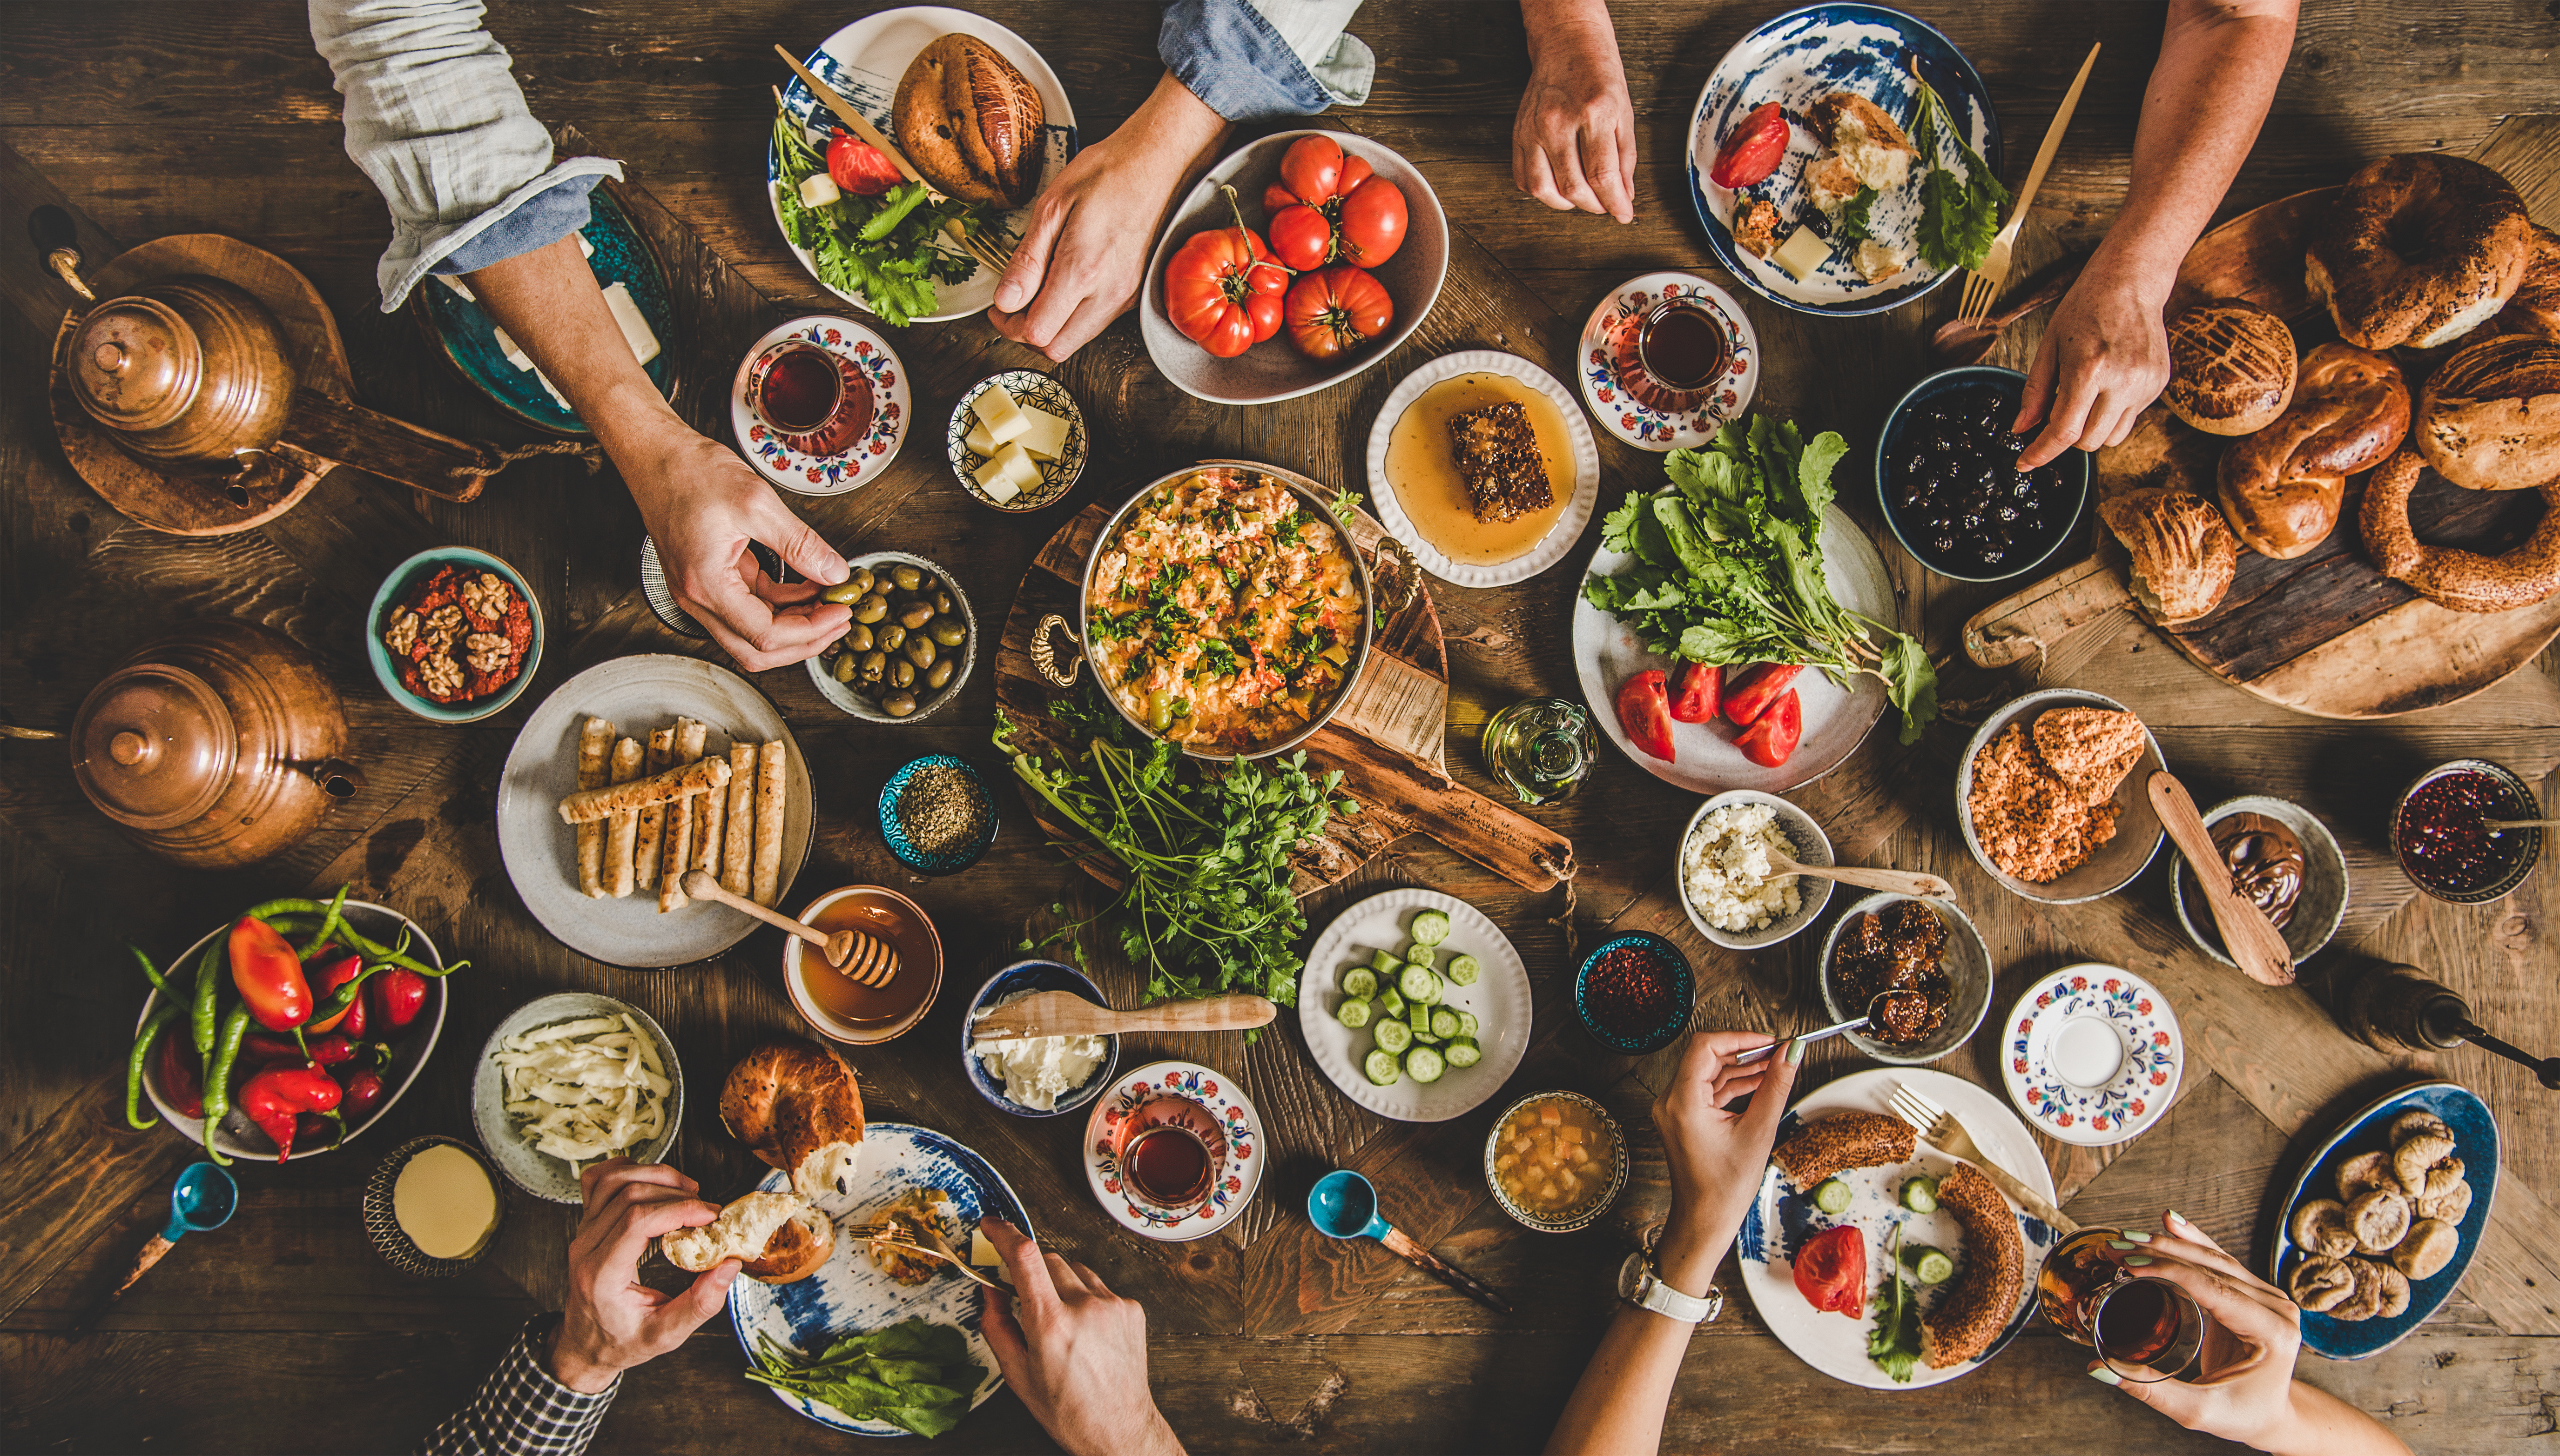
(611,1321)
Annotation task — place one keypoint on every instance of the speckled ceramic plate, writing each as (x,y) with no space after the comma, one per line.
(1605,358)
(468,336)
(1224,1101)
(1795,60)
(2092,1054)
(861,357)
(1500,998)
(849,1295)
(1583,490)
(1784,1216)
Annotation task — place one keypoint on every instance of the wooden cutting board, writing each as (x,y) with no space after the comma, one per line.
(2326,633)
(1386,740)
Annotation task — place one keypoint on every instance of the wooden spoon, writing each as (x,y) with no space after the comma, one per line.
(864,960)
(1892,882)
(1963,342)
(2253,940)
(1064,1013)
(2494,825)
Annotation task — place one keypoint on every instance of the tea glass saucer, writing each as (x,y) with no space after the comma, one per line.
(865,359)
(2092,1054)
(1239,1177)
(1605,361)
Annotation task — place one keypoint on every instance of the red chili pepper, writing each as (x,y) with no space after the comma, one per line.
(399,993)
(182,1080)
(1695,700)
(365,1092)
(277,1097)
(269,975)
(1754,689)
(324,984)
(1645,711)
(328,1050)
(1771,736)
(1830,1271)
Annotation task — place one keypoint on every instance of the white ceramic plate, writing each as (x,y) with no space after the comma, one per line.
(862,64)
(1567,527)
(637,695)
(859,351)
(1226,1100)
(2092,1054)
(1500,998)
(1783,1217)
(1601,365)
(850,1295)
(539,1172)
(1607,653)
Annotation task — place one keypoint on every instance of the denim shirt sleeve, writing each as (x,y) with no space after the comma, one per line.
(434,118)
(1260,60)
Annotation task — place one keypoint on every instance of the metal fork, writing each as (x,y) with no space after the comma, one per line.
(1982,285)
(1940,1129)
(897,1236)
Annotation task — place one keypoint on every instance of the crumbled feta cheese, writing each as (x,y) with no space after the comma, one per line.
(1724,869)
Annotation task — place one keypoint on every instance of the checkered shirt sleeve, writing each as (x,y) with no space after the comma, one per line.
(521,1410)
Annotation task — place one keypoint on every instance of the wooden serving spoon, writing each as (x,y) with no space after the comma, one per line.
(1892,882)
(1064,1013)
(2496,826)
(862,959)
(2253,940)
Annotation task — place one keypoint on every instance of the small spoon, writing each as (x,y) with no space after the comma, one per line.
(1895,882)
(1963,342)
(864,960)
(202,1200)
(1875,1008)
(2545,1070)
(1064,1013)
(1344,1204)
(2499,825)
(2255,944)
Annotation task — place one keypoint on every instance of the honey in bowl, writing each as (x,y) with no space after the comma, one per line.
(844,1008)
(1554,1157)
(1422,468)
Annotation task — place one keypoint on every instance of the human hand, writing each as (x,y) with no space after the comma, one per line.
(2105,357)
(1075,1351)
(703,505)
(2251,1401)
(613,1321)
(1715,1155)
(1573,140)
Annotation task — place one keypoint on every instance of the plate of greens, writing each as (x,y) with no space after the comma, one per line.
(887,253)
(1941,219)
(1741,558)
(1416,1004)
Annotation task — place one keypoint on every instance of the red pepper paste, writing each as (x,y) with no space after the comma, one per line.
(2442,835)
(1629,992)
(459,636)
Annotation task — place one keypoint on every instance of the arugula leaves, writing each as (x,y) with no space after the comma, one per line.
(1855,224)
(1958,219)
(889,250)
(914,1375)
(1894,1342)
(1728,566)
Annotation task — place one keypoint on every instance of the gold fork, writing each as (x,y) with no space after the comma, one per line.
(986,250)
(897,1236)
(1940,1129)
(1982,285)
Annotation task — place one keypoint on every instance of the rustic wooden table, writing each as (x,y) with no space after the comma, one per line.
(284,1332)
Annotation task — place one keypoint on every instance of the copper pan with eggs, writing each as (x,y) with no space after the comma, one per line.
(2348,499)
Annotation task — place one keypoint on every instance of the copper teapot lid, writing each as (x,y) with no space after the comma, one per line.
(135,365)
(153,746)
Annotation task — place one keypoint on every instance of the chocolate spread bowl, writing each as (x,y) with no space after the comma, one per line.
(2317,908)
(1967,962)
(2117,862)
(2519,848)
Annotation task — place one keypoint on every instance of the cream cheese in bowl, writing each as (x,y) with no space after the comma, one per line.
(1038,1071)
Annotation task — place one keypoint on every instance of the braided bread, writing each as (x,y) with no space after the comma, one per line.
(2282,488)
(2463,581)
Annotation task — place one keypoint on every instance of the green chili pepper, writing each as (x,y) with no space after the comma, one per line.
(202,1017)
(348,936)
(886,221)
(328,923)
(218,1092)
(159,982)
(164,1019)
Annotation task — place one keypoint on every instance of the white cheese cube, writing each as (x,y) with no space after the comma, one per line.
(1003,417)
(977,439)
(1046,437)
(1801,253)
(635,327)
(817,190)
(1008,473)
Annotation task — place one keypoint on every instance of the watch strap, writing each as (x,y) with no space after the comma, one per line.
(1671,1303)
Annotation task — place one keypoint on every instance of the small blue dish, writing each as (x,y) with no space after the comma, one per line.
(893,830)
(404,578)
(1036,976)
(2065,525)
(1683,994)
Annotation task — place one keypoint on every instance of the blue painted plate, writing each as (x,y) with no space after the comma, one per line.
(2369,1131)
(847,1295)
(1795,60)
(469,338)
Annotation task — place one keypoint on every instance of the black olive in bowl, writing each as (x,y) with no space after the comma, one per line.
(1947,478)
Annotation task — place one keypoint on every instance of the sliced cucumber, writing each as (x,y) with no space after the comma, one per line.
(1356,1012)
(1468,1025)
(1428,1038)
(1462,1052)
(1417,1015)
(1422,955)
(1385,964)
(1419,983)
(1439,992)
(1422,1064)
(1832,1196)
(1920,1194)
(1463,970)
(1391,1003)
(1394,1036)
(1444,1022)
(1926,1264)
(1380,1069)
(1359,980)
(1430,928)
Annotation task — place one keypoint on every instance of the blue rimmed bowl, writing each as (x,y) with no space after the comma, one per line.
(407,577)
(1683,994)
(1036,976)
(894,832)
(2066,516)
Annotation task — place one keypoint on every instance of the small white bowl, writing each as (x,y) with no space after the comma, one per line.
(864,706)
(1031,388)
(1808,844)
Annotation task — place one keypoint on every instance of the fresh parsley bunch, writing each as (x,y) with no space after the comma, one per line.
(1959,220)
(1728,566)
(915,1374)
(890,250)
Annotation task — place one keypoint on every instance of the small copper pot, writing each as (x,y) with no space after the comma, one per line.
(215,747)
(188,369)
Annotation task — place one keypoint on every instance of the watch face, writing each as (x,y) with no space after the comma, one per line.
(1633,1277)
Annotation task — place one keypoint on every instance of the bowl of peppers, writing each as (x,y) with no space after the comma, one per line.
(287,1030)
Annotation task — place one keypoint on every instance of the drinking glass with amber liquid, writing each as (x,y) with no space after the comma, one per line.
(2145,1328)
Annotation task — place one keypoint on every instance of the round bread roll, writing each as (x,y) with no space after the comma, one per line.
(2418,250)
(2449,1206)
(2450,576)
(2489,417)
(2535,308)
(2425,1165)
(797,1106)
(2416,1120)
(2394,1289)
(2431,1245)
(2282,488)
(2231,367)
(2321,1284)
(2364,1300)
(2319,1226)
(2182,553)
(970,122)
(777,1238)
(2363,1173)
(2380,1219)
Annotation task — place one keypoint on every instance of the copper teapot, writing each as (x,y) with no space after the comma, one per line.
(187,370)
(216,746)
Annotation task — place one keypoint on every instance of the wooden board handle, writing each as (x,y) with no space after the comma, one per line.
(2017,624)
(340,430)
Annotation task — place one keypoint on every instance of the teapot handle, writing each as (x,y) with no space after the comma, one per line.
(57,234)
(337,778)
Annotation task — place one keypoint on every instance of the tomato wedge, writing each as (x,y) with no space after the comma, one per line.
(1693,699)
(1830,1271)
(1771,736)
(1754,689)
(1753,149)
(1645,711)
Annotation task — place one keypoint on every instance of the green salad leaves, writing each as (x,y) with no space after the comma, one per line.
(914,1375)
(1959,220)
(1728,566)
(1894,1342)
(889,250)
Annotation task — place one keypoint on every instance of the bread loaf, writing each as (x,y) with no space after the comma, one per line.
(970,122)
(777,1238)
(2489,418)
(2281,488)
(2231,367)
(2183,555)
(797,1106)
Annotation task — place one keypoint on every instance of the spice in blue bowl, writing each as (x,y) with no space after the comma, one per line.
(1634,993)
(936,814)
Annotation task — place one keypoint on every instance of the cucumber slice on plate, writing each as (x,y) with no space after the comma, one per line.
(1391,1003)
(1422,955)
(1444,1022)
(1385,964)
(1356,1012)
(1831,1196)
(1429,1038)
(1462,1051)
(1919,1195)
(1468,1026)
(1380,1069)
(1926,1264)
(1418,1015)
(1394,1036)
(1422,1064)
(1463,970)
(1430,928)
(1359,980)
(1419,983)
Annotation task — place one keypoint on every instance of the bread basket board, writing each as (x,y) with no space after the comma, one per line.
(2326,633)
(1386,739)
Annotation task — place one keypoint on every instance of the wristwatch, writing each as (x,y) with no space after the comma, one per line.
(1640,1286)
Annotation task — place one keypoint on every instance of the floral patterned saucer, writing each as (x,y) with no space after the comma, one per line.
(1633,408)
(2092,1055)
(1211,1093)
(866,360)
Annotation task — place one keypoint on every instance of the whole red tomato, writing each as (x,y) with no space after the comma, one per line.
(1336,310)
(1222,290)
(1330,207)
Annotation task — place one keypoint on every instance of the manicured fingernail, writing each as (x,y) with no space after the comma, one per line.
(2137,1236)
(2118,1244)
(2106,1377)
(2179,1220)
(2140,1262)
(1796,1051)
